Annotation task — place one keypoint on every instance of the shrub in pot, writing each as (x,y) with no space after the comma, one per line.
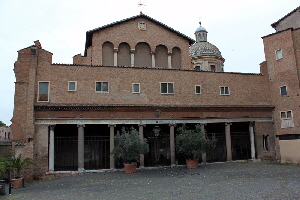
(17,164)
(129,146)
(193,142)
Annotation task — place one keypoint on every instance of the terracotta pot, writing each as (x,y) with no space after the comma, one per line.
(192,163)
(17,183)
(130,167)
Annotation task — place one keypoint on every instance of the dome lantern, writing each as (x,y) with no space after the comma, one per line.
(201,34)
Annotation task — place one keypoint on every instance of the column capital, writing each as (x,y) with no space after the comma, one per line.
(172,124)
(80,125)
(52,125)
(169,53)
(228,123)
(116,50)
(152,52)
(132,50)
(111,125)
(143,125)
(251,124)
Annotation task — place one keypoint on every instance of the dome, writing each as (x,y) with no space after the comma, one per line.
(200,28)
(205,49)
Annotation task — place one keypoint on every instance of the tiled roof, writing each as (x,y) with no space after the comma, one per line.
(276,23)
(90,32)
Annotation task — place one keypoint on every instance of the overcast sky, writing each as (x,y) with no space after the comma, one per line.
(234,26)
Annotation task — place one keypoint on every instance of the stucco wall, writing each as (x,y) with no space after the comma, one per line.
(290,151)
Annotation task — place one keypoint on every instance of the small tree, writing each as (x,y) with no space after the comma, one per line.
(194,142)
(2,124)
(129,146)
(18,164)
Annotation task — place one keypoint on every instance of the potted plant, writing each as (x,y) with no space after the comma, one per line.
(4,162)
(17,164)
(129,146)
(193,143)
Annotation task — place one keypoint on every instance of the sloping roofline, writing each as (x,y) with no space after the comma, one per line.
(89,33)
(276,23)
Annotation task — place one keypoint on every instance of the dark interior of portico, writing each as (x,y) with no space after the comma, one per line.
(97,145)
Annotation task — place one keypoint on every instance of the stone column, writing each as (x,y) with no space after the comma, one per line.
(141,134)
(251,125)
(115,57)
(204,154)
(169,60)
(80,147)
(153,58)
(51,148)
(228,141)
(172,144)
(111,144)
(132,57)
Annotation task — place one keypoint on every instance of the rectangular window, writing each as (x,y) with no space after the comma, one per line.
(224,90)
(278,54)
(197,89)
(213,67)
(135,88)
(286,119)
(72,86)
(283,91)
(101,86)
(43,94)
(167,88)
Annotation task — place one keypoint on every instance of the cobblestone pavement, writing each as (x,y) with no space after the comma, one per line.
(210,181)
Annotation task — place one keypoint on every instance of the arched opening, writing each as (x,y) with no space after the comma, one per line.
(161,56)
(176,58)
(107,54)
(142,55)
(124,54)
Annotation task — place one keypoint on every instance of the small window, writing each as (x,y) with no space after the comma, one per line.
(286,119)
(224,90)
(278,54)
(213,67)
(101,86)
(43,89)
(283,91)
(197,89)
(167,88)
(266,142)
(197,68)
(72,86)
(135,88)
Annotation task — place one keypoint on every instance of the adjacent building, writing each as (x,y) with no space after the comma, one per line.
(140,73)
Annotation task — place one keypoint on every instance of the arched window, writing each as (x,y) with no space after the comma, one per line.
(124,55)
(161,56)
(107,54)
(176,58)
(266,142)
(142,55)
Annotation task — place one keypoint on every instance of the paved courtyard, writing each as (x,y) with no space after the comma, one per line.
(234,180)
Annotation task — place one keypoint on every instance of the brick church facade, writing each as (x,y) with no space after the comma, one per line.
(140,73)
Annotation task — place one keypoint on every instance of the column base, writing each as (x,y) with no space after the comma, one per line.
(80,169)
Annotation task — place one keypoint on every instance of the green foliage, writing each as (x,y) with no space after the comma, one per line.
(4,166)
(193,142)
(2,124)
(17,164)
(129,146)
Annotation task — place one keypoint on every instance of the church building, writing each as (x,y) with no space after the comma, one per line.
(141,73)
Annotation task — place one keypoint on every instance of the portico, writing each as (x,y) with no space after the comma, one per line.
(162,154)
